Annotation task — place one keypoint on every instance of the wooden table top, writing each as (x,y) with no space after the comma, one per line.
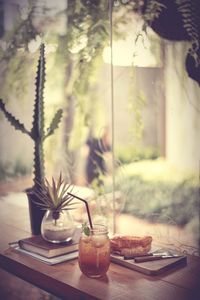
(66,281)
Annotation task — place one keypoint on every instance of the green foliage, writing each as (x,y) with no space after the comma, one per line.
(86,229)
(13,59)
(153,10)
(137,102)
(12,170)
(20,169)
(130,154)
(189,13)
(156,200)
(6,170)
(13,82)
(158,192)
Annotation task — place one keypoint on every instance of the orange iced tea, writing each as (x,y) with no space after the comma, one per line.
(94,252)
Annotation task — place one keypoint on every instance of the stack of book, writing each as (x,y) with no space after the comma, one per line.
(49,253)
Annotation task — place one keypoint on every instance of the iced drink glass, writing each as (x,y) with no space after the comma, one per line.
(94,252)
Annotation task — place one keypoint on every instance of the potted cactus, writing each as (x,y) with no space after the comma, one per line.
(38,135)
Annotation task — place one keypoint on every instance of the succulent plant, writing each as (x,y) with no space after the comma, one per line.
(38,135)
(54,196)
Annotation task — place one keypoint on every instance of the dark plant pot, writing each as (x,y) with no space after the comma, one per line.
(169,23)
(35,213)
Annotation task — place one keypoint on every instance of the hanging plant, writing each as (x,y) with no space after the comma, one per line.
(177,21)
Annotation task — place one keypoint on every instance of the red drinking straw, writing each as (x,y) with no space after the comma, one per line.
(87,208)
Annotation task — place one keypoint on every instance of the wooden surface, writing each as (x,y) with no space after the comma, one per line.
(67,282)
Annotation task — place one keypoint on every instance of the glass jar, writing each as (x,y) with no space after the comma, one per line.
(57,227)
(94,252)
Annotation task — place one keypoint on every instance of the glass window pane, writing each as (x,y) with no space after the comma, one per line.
(129,136)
